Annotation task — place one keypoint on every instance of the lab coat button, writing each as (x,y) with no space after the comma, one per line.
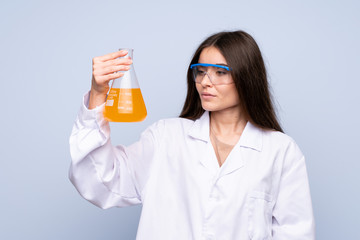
(214,197)
(210,237)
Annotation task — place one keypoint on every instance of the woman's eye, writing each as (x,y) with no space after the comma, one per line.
(200,72)
(221,73)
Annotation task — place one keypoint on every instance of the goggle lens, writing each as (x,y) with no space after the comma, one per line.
(218,74)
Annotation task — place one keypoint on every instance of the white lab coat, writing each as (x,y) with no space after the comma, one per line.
(260,192)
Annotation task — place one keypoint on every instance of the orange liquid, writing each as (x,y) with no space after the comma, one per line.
(125,105)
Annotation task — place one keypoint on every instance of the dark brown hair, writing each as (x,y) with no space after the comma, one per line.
(249,74)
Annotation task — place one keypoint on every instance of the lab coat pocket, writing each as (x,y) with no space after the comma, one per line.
(259,215)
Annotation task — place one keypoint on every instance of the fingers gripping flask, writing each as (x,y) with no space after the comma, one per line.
(125,102)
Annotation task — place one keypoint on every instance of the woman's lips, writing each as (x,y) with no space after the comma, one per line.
(207,95)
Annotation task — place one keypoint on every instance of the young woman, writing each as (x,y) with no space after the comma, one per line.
(222,170)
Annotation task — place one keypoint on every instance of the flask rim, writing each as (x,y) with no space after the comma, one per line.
(130,52)
(125,48)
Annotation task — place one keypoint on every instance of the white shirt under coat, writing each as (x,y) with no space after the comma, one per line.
(260,192)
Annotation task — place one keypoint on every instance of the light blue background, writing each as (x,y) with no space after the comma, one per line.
(311,49)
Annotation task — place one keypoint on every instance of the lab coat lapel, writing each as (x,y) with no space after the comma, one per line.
(252,137)
(250,140)
(200,131)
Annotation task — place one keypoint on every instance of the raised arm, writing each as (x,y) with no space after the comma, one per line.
(105,175)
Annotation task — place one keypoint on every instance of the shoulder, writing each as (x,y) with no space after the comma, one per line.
(175,124)
(279,141)
(176,121)
(281,138)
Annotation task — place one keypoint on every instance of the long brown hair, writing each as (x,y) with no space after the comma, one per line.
(248,72)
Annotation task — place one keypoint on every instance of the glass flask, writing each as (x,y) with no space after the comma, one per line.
(125,102)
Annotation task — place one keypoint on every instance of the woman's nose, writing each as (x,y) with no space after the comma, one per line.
(206,81)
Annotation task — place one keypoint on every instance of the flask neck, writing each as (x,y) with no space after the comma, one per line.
(130,52)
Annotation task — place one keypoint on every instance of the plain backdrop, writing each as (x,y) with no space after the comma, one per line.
(311,49)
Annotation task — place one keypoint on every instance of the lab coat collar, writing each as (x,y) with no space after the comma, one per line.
(200,129)
(250,138)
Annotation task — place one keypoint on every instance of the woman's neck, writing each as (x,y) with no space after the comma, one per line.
(227,123)
(226,128)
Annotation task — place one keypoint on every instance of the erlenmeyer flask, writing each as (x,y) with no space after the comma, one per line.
(125,102)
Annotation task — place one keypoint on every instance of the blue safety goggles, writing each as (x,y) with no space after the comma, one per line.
(218,74)
(209,65)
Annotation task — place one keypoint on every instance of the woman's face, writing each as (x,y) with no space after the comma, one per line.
(216,97)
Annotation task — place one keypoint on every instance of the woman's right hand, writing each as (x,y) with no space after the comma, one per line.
(105,69)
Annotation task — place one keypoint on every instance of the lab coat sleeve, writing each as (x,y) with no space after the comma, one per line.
(292,214)
(105,175)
